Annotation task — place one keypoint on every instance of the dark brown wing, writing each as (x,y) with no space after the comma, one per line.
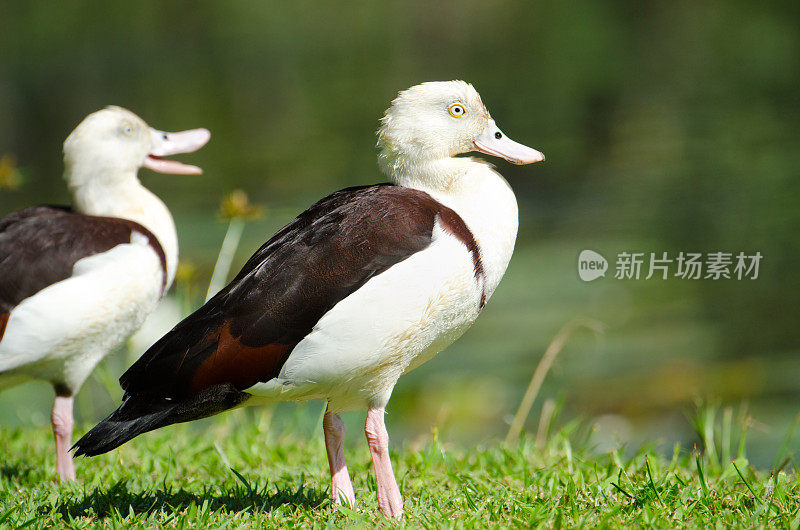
(246,332)
(40,245)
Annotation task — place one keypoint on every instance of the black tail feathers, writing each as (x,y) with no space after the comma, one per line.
(132,418)
(139,414)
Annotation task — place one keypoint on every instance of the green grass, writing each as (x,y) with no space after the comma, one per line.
(237,471)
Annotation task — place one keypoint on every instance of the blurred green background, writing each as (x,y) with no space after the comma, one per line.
(668,127)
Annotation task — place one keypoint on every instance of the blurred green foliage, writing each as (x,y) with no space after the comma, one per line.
(667,127)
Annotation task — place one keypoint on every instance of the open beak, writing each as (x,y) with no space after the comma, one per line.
(165,144)
(494,142)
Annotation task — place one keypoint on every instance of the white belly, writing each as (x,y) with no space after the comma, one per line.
(63,331)
(392,324)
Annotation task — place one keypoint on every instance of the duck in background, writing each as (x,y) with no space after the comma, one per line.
(367,284)
(76,281)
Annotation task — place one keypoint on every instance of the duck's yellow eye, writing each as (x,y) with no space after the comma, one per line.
(456,110)
(127,130)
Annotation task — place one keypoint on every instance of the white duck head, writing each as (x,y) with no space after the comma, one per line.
(438,120)
(102,158)
(113,143)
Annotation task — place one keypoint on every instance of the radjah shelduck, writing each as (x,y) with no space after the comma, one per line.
(367,284)
(76,281)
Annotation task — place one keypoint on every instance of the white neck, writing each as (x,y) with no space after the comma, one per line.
(123,196)
(480,195)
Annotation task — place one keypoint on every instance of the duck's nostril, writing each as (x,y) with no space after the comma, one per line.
(498,135)
(166,137)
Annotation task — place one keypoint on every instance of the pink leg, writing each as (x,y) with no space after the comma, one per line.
(341,488)
(389,499)
(62,429)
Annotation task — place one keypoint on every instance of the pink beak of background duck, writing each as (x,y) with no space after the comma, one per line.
(165,144)
(494,142)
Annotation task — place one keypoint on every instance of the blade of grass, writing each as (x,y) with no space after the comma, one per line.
(7,514)
(652,483)
(546,362)
(703,484)
(619,488)
(725,442)
(545,419)
(225,257)
(246,482)
(744,420)
(745,482)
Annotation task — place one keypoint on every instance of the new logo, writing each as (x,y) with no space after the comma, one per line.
(591,265)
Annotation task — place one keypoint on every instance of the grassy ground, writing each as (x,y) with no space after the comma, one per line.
(237,471)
